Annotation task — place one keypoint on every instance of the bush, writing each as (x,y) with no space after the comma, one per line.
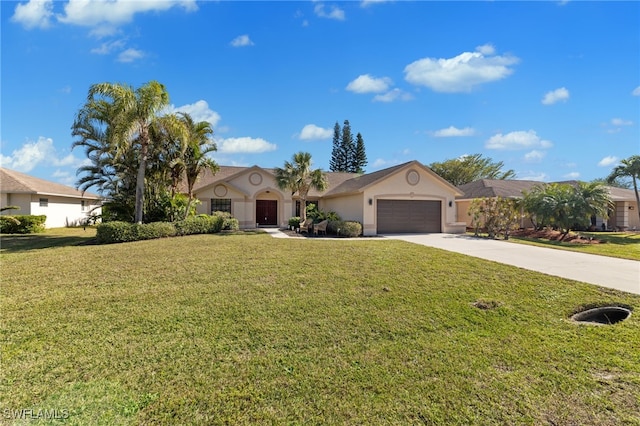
(122,232)
(295,222)
(344,228)
(229,223)
(22,224)
(201,224)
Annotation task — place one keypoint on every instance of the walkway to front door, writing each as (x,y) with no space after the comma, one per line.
(267,212)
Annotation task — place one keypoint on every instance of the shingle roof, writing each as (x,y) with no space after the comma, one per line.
(19,183)
(496,188)
(514,188)
(339,183)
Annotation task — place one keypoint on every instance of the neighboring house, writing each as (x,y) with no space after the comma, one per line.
(63,205)
(405,198)
(623,215)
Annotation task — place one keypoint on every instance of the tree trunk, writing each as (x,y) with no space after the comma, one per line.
(186,213)
(144,147)
(635,188)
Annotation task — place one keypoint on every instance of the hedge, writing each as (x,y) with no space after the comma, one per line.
(22,224)
(121,232)
(344,228)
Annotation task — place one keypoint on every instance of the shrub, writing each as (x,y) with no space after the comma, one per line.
(149,231)
(344,228)
(22,224)
(229,223)
(295,222)
(116,232)
(201,224)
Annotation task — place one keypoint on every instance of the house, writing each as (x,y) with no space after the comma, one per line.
(63,205)
(401,199)
(623,214)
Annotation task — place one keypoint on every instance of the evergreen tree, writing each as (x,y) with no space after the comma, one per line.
(347,148)
(336,164)
(361,155)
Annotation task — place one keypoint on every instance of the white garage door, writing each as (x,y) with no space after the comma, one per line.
(405,216)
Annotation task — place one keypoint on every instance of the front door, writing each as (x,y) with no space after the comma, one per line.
(267,212)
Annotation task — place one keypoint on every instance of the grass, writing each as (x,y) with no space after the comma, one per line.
(624,245)
(248,329)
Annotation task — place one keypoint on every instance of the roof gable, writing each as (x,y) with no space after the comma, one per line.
(14,182)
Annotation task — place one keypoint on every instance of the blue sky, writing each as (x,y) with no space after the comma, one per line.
(552,89)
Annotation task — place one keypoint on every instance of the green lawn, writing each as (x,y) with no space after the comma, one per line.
(248,329)
(625,245)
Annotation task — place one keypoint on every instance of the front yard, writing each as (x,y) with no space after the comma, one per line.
(248,329)
(624,245)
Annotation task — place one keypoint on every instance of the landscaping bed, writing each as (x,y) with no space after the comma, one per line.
(551,235)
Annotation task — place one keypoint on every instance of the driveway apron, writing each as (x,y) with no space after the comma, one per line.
(620,274)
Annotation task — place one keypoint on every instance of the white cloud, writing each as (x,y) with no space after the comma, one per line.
(540,177)
(561,94)
(65,178)
(367,84)
(108,47)
(34,153)
(636,91)
(241,41)
(534,156)
(244,145)
(107,16)
(572,175)
(34,14)
(367,3)
(130,55)
(393,95)
(621,122)
(199,111)
(452,131)
(608,161)
(311,132)
(382,163)
(462,73)
(335,12)
(517,140)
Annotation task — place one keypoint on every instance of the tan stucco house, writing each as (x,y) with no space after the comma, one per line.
(623,215)
(63,205)
(401,199)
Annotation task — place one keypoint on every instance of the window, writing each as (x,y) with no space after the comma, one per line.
(44,202)
(221,205)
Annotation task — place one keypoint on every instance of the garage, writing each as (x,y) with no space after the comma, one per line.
(408,216)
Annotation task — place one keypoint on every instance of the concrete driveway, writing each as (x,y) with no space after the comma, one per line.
(604,271)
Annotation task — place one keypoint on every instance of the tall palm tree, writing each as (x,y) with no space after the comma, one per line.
(195,160)
(134,110)
(629,167)
(297,176)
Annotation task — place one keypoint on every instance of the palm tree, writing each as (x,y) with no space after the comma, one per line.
(297,176)
(195,160)
(134,111)
(629,167)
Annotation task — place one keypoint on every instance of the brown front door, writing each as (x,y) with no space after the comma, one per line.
(266,212)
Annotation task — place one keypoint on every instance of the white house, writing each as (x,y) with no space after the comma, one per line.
(63,205)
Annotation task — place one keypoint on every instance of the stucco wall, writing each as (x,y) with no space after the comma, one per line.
(21,200)
(243,190)
(348,207)
(62,211)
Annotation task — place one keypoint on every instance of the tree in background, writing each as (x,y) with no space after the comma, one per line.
(337,162)
(298,177)
(469,168)
(360,158)
(347,155)
(566,206)
(628,168)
